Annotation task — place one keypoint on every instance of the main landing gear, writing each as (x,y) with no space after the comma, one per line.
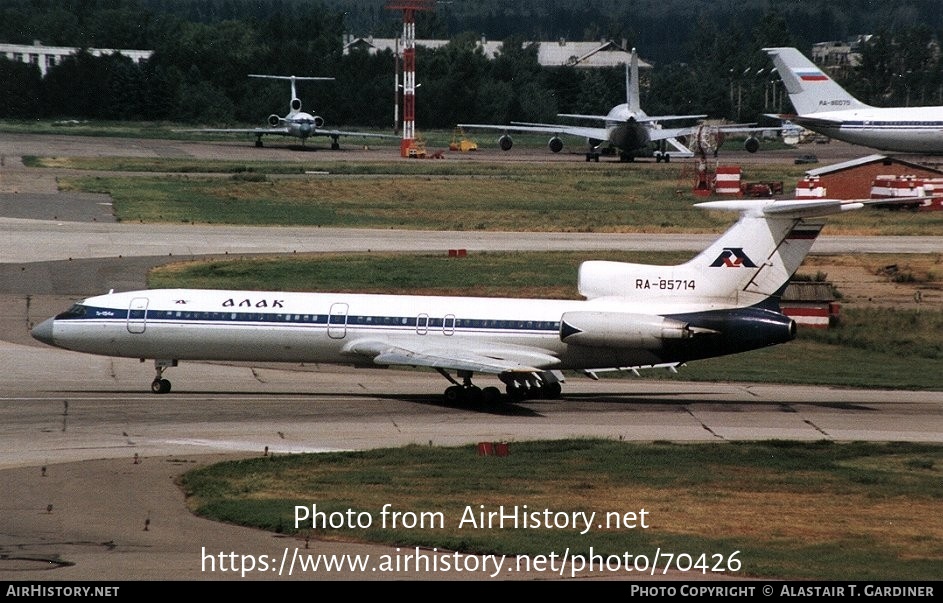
(160,385)
(518,386)
(467,392)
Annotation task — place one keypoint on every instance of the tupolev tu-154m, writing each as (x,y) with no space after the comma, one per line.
(633,316)
(296,123)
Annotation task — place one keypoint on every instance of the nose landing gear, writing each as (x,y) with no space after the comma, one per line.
(160,385)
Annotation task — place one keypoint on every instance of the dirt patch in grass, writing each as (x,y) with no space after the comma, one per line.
(881,280)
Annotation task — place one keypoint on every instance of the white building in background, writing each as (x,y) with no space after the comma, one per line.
(844,53)
(45,57)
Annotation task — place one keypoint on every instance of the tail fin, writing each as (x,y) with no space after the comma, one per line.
(631,84)
(809,88)
(294,104)
(749,264)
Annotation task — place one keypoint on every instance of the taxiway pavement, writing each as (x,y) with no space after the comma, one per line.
(88,457)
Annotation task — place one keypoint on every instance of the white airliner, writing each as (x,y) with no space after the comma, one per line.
(296,123)
(627,129)
(634,316)
(825,107)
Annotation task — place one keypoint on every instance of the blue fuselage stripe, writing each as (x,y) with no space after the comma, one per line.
(110,315)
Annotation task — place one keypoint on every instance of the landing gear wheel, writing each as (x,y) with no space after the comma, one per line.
(551,391)
(516,391)
(457,394)
(490,395)
(453,395)
(472,393)
(160,386)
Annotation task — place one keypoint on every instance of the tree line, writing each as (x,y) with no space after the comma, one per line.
(204,51)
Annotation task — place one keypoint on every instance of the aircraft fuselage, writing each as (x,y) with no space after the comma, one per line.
(625,132)
(258,326)
(904,130)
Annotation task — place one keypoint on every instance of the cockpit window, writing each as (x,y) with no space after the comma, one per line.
(76,311)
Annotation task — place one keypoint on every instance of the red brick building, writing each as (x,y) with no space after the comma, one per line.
(853,179)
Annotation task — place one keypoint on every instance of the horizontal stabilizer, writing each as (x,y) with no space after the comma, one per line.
(801,208)
(291,77)
(638,118)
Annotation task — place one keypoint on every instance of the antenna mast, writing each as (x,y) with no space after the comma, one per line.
(409,8)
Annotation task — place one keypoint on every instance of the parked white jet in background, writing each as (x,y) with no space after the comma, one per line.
(296,123)
(724,301)
(626,130)
(825,107)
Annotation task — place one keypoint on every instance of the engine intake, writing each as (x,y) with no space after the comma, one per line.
(555,145)
(505,142)
(274,120)
(752,145)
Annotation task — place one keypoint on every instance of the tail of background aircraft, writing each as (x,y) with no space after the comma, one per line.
(294,105)
(632,97)
(809,88)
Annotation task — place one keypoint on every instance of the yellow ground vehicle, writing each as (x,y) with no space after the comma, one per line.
(462,143)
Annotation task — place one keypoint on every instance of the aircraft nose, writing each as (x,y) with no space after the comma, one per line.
(43,331)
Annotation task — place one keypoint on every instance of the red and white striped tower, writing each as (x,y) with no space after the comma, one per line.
(409,8)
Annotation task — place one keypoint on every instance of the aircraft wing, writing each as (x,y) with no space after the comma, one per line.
(282,131)
(335,133)
(489,359)
(725,128)
(585,132)
(813,123)
(655,134)
(806,121)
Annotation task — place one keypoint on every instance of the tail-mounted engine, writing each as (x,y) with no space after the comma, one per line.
(295,105)
(274,120)
(318,121)
(620,329)
(505,142)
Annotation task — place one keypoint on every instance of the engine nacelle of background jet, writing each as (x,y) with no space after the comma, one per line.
(555,145)
(620,329)
(752,144)
(505,142)
(274,120)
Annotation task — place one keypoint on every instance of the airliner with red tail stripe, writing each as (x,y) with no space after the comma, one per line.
(825,107)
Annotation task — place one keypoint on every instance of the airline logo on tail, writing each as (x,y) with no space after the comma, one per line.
(733,257)
(811,76)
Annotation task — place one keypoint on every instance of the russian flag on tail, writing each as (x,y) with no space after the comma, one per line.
(811,76)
